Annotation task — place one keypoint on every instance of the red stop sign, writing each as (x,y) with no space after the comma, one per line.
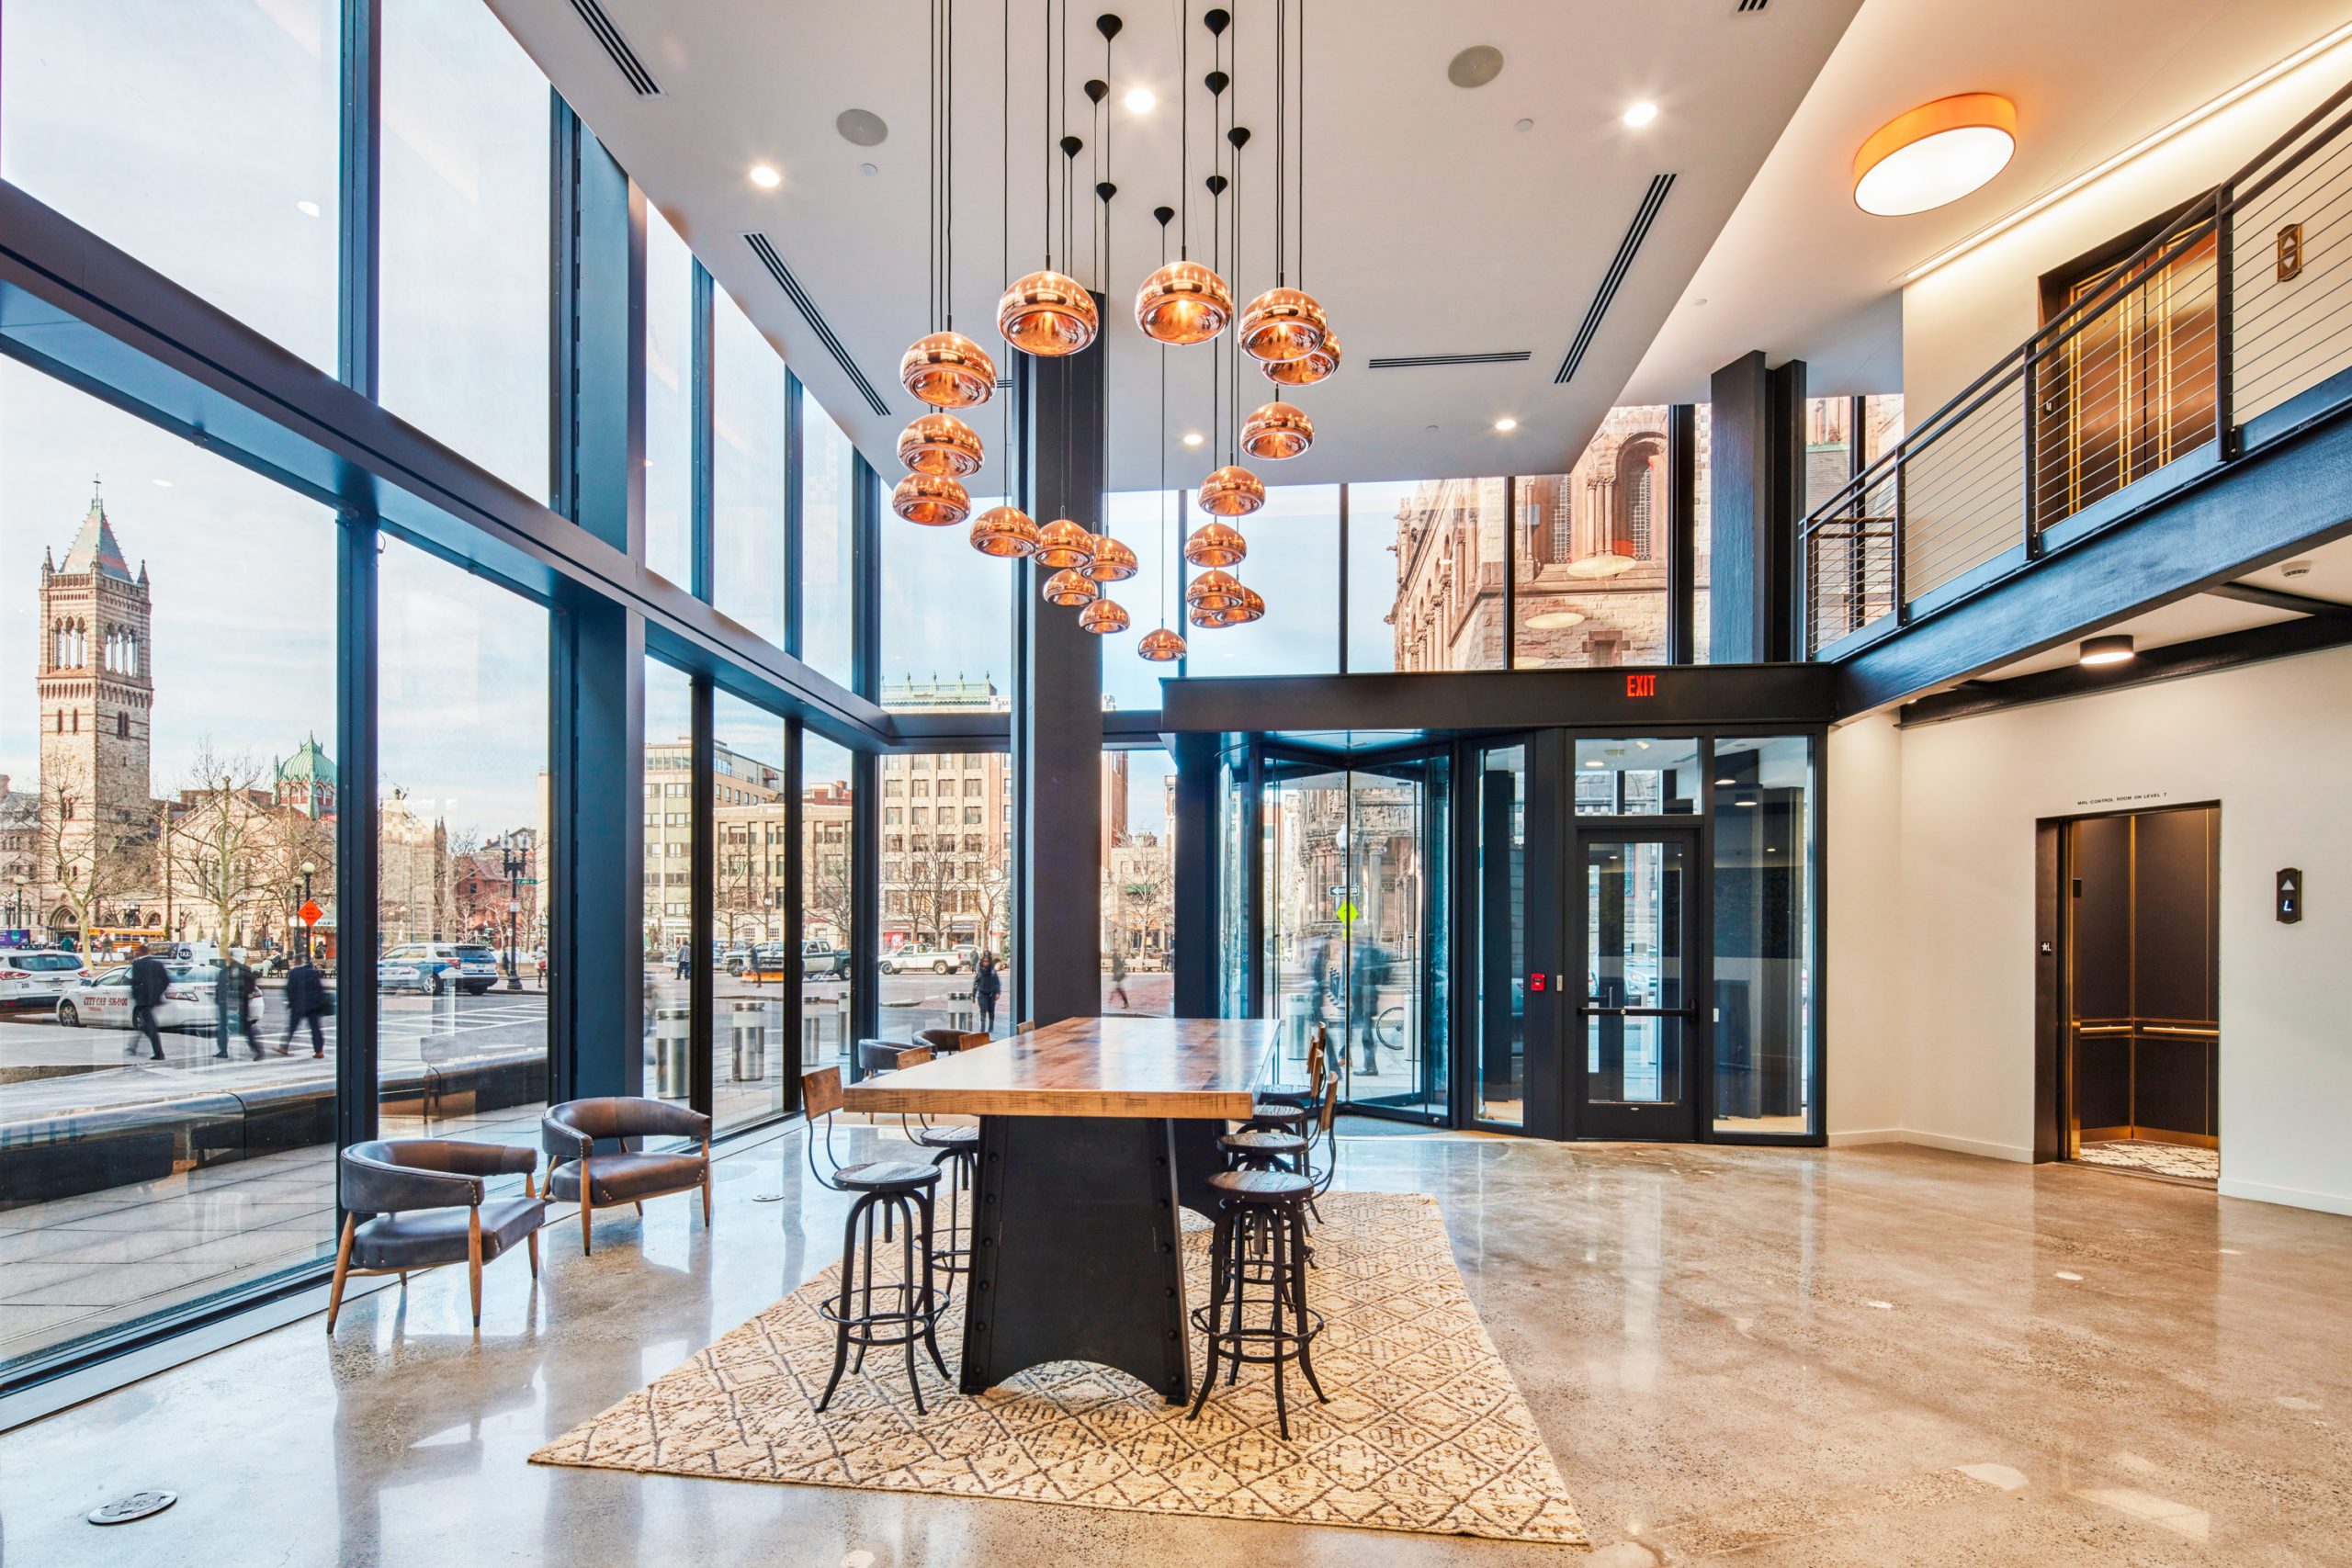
(310,911)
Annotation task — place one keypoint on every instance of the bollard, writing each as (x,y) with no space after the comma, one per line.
(748,1058)
(445,1003)
(673,1047)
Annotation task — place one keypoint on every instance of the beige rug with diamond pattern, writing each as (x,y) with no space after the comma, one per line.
(1425,1430)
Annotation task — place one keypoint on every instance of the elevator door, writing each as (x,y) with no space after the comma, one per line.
(1635,1022)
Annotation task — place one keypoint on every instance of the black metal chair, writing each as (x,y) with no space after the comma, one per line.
(414,1202)
(907,1311)
(1257,1312)
(570,1133)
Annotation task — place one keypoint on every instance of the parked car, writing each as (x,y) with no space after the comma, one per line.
(820,959)
(939,961)
(736,958)
(105,1002)
(430,966)
(37,978)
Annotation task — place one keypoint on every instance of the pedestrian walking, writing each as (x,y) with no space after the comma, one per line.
(685,956)
(233,992)
(306,1003)
(987,985)
(1119,975)
(1369,974)
(149,981)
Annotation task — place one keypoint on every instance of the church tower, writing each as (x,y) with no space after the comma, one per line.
(97,691)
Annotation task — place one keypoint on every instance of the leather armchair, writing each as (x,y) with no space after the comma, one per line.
(577,1172)
(414,1202)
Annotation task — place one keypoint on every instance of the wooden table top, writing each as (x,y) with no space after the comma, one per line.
(1090,1067)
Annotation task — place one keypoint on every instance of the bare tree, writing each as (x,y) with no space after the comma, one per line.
(219,850)
(826,885)
(88,856)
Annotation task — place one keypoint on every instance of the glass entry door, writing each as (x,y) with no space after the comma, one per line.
(1635,1024)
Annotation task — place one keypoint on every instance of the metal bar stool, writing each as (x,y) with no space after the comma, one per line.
(1257,1312)
(956,1150)
(1287,1110)
(865,1314)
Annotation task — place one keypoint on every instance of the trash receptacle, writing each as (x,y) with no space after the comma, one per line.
(749,1058)
(673,1043)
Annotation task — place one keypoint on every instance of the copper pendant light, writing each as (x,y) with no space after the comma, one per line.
(1006,532)
(948,370)
(1277,431)
(1070,588)
(1182,303)
(942,445)
(1217,543)
(1214,591)
(933,501)
(1064,546)
(1103,617)
(1207,619)
(1283,324)
(1308,368)
(1232,491)
(1049,315)
(1160,645)
(1112,562)
(1251,608)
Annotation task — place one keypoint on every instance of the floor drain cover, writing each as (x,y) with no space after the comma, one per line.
(138,1506)
(769,1198)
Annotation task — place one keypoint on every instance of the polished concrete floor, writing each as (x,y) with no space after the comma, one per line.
(1750,1355)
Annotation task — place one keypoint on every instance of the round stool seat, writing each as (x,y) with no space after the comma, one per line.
(1265,1114)
(948,1138)
(1264,1143)
(1260,1186)
(888,1175)
(1299,1097)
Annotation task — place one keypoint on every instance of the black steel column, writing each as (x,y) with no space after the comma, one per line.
(1195,867)
(865,851)
(1755,499)
(700,365)
(354,832)
(1682,534)
(598,386)
(358,197)
(795,920)
(1057,705)
(703,884)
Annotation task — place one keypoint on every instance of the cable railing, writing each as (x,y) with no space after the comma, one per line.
(2238,302)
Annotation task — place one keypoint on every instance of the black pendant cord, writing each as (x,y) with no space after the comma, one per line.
(931,182)
(1281,138)
(1004,231)
(1302,142)
(1183,149)
(1045,103)
(1163,214)
(947,158)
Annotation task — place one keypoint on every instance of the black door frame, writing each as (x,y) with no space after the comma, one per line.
(1680,1120)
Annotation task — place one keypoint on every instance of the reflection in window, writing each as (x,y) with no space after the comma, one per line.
(747,471)
(668,924)
(175,786)
(828,553)
(946,618)
(669,402)
(827,873)
(749,861)
(461,994)
(103,106)
(1636,778)
(1501,935)
(465,264)
(1138,881)
(1593,547)
(1763,935)
(1425,575)
(1295,563)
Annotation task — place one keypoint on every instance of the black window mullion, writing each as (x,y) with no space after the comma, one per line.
(866,575)
(796,469)
(703,883)
(702,370)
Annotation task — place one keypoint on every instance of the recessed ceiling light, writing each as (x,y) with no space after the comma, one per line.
(1523,125)
(765,177)
(1139,100)
(1935,154)
(2113,649)
(1555,620)
(1431,428)
(1506,423)
(1193,438)
(1725,782)
(1592,762)
(307,208)
(1641,114)
(1743,803)
(166,484)
(1474,66)
(867,169)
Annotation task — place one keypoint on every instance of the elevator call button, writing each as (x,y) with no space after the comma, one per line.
(2291,896)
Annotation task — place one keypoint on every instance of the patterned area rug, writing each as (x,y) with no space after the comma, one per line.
(1425,1430)
(2177,1160)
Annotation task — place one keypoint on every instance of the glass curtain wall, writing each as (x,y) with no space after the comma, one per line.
(670,285)
(1764,936)
(748,390)
(669,1023)
(461,1040)
(827,882)
(1294,562)
(1499,995)
(827,480)
(750,857)
(466,267)
(1139,900)
(97,108)
(1150,522)
(946,886)
(167,794)
(1426,564)
(1593,547)
(947,620)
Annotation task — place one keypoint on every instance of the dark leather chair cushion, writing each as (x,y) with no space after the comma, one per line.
(885,1175)
(1298,1098)
(420,1238)
(568,1127)
(392,1175)
(1264,1114)
(881,1055)
(947,1137)
(944,1041)
(622,1179)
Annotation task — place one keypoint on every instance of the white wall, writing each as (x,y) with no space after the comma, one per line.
(2272,743)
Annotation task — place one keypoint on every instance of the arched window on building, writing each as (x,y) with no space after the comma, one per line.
(1641,494)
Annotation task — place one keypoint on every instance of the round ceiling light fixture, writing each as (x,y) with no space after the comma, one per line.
(1212,592)
(862,127)
(941,444)
(1217,543)
(1006,532)
(1071,589)
(1277,431)
(1935,154)
(930,501)
(1474,66)
(1232,491)
(1139,100)
(1308,368)
(1183,303)
(2113,649)
(1064,546)
(1047,315)
(1553,620)
(948,370)
(1283,324)
(1160,645)
(1506,424)
(1641,114)
(765,177)
(1112,562)
(1103,617)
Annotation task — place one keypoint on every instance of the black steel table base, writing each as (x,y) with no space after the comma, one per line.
(1076,1251)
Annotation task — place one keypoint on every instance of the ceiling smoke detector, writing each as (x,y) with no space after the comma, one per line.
(862,127)
(1474,66)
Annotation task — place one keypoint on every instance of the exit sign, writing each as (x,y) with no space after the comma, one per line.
(1641,685)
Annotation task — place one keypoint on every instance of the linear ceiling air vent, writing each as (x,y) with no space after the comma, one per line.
(1426,361)
(1619,266)
(617,47)
(1746,7)
(815,318)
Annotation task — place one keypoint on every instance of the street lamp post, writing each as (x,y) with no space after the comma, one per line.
(309,869)
(17,903)
(514,865)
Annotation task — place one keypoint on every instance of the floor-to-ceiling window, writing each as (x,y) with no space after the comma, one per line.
(466,273)
(1426,564)
(1293,562)
(668,919)
(670,286)
(946,619)
(1151,524)
(1499,927)
(946,885)
(827,479)
(747,471)
(748,914)
(829,891)
(1594,545)
(168,759)
(199,135)
(1765,983)
(1138,881)
(463,824)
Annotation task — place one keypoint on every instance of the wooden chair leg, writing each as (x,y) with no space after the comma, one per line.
(534,1244)
(706,1184)
(585,1190)
(342,1269)
(473,1260)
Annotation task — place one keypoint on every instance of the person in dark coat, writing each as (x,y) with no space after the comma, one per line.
(306,1003)
(232,991)
(987,985)
(1369,972)
(149,981)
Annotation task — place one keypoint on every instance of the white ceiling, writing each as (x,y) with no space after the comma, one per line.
(1803,274)
(1433,225)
